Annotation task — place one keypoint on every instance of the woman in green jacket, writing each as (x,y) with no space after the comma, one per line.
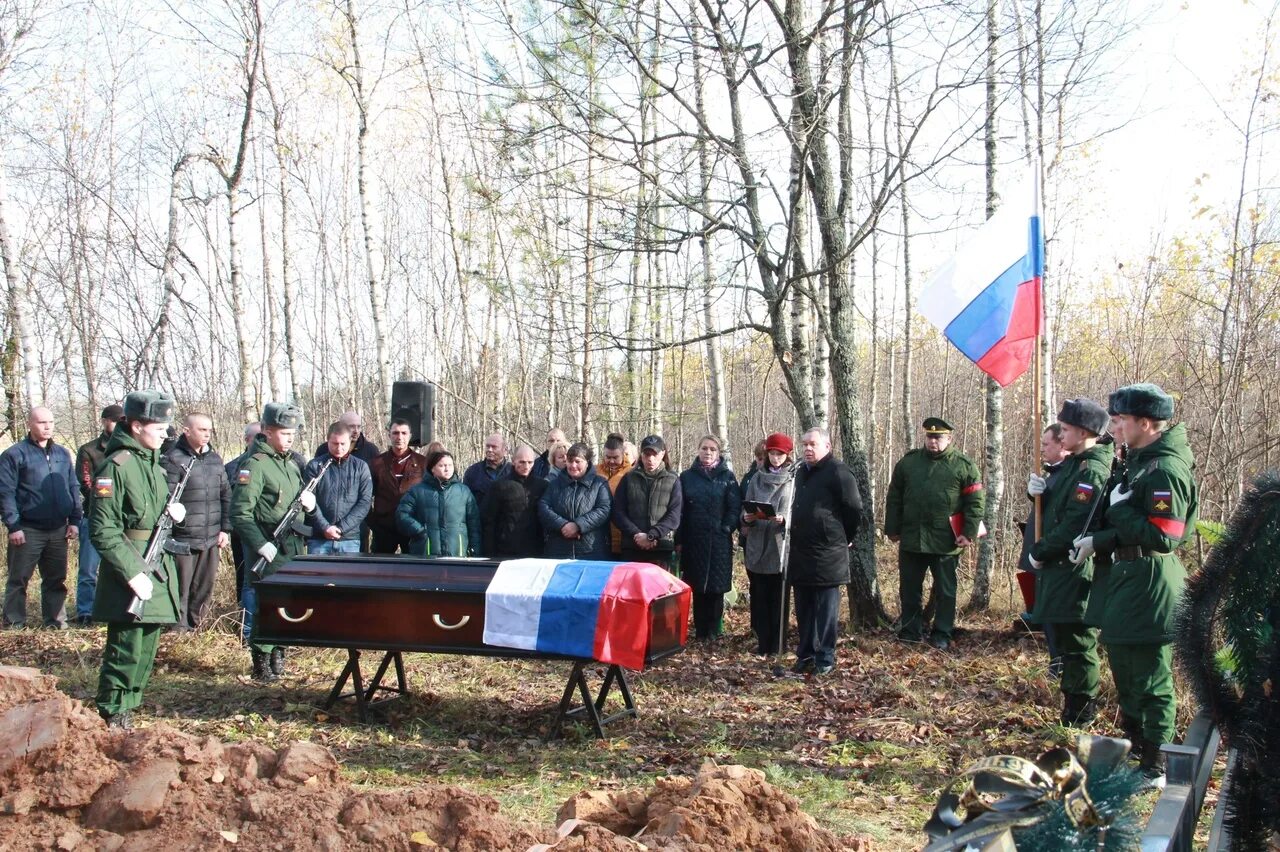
(439,514)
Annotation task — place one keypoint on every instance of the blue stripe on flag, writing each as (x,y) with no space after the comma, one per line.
(571,606)
(984,321)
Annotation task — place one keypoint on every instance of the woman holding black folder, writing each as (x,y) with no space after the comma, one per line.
(766,500)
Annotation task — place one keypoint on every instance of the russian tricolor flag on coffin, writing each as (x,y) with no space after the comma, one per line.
(579,608)
(987,299)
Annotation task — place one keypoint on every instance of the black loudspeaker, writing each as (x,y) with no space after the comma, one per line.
(415,402)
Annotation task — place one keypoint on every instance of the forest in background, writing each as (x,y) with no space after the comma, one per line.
(676,217)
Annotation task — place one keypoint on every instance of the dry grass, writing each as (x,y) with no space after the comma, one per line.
(867,750)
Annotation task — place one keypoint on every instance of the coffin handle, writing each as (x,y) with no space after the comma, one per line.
(440,622)
(284,613)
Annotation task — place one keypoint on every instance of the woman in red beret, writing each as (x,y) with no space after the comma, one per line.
(766,502)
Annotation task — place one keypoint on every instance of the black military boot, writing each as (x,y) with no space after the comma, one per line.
(261,669)
(1132,730)
(121,721)
(277,661)
(1151,764)
(1078,710)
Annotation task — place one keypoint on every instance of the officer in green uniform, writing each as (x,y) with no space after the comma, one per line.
(129,496)
(1150,513)
(933,511)
(1062,587)
(265,486)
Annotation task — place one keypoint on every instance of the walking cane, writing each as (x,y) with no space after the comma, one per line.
(784,554)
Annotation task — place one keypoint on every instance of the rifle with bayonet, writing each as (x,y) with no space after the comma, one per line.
(284,528)
(161,542)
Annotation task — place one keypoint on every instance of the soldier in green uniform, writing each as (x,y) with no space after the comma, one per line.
(129,496)
(933,511)
(265,486)
(1062,587)
(1150,513)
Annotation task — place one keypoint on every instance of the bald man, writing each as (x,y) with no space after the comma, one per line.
(40,506)
(494,467)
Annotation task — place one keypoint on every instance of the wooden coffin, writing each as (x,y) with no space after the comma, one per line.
(405,603)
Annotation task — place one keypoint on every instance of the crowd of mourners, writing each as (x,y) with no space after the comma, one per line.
(1099,552)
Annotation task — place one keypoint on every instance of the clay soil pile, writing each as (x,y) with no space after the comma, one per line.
(66,782)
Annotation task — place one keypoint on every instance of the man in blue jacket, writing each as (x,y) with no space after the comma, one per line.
(40,505)
(343,497)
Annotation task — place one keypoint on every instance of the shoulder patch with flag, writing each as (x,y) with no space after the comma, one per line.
(243,477)
(1161,502)
(1084,492)
(104,486)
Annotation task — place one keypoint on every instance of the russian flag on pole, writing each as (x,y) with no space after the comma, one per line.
(578,608)
(987,298)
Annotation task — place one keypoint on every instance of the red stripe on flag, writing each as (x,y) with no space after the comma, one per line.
(1171,527)
(622,627)
(969,489)
(1011,356)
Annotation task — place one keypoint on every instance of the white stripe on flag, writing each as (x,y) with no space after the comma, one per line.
(998,244)
(513,602)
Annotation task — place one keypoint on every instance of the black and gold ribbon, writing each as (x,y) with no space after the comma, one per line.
(1004,792)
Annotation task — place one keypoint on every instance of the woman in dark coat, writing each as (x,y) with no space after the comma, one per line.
(574,510)
(709,516)
(439,514)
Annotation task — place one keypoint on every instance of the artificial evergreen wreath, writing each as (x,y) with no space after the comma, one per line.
(1226,646)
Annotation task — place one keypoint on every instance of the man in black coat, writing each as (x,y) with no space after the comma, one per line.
(509,514)
(206,526)
(825,515)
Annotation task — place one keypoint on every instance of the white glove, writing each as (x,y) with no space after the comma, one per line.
(1083,549)
(1036,485)
(142,587)
(1118,496)
(1035,563)
(308,501)
(267,551)
(178,512)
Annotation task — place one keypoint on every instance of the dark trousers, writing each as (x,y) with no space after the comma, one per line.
(708,613)
(766,592)
(127,659)
(1078,645)
(237,559)
(388,540)
(196,572)
(817,620)
(47,550)
(911,570)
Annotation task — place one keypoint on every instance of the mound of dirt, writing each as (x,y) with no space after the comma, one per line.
(68,783)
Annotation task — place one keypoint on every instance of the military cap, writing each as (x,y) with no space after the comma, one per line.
(152,406)
(1141,400)
(937,426)
(1084,413)
(285,415)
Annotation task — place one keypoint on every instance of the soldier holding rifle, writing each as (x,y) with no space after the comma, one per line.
(129,500)
(1062,587)
(266,486)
